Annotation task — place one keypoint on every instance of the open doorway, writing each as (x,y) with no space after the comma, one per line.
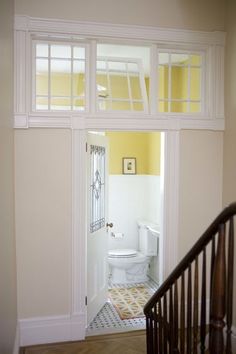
(132,225)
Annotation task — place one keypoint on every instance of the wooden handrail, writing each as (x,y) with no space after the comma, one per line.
(220,290)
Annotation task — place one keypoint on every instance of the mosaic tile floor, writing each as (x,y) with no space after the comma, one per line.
(108,320)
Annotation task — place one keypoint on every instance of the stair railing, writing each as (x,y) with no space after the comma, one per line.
(191,312)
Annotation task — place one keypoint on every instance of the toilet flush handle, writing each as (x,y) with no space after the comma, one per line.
(109,224)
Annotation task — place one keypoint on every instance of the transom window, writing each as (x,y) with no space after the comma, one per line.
(179,82)
(122,82)
(59,77)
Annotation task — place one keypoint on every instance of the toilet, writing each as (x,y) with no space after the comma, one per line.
(131,266)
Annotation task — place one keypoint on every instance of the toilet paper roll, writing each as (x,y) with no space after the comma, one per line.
(117,234)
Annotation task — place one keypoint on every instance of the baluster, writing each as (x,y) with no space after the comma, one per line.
(165,325)
(230,277)
(160,333)
(171,324)
(176,318)
(203,304)
(148,333)
(151,332)
(155,333)
(195,308)
(182,316)
(213,254)
(189,311)
(218,296)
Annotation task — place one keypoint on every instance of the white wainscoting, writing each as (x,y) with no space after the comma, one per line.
(132,198)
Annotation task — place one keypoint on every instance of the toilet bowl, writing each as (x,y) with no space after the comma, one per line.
(129,265)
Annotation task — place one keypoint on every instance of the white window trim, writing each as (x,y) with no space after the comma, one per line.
(212,43)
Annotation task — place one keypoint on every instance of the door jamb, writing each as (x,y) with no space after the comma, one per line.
(170,217)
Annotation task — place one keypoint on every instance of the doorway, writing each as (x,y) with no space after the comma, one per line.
(135,200)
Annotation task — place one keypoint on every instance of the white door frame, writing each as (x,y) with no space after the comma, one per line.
(170,210)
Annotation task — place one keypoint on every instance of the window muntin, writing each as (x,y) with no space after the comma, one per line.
(180,82)
(59,77)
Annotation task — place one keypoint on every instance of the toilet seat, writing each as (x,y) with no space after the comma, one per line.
(122,253)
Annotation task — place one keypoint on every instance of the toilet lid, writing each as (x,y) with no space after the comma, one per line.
(122,253)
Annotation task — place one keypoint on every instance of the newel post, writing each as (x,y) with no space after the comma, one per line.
(218,296)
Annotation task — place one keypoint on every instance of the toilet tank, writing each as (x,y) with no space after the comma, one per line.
(148,237)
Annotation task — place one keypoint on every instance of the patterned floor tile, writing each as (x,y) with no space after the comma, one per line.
(108,320)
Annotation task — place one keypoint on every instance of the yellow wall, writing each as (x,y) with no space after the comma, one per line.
(145,147)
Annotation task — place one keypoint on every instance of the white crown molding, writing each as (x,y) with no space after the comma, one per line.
(89,29)
(41,330)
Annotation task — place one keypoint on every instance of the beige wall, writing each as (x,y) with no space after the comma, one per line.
(8,312)
(43,160)
(190,14)
(229,186)
(201,154)
(43,221)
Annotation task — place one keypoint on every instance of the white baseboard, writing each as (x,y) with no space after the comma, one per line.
(17,341)
(41,330)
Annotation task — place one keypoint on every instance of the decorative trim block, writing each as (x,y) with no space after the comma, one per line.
(21,121)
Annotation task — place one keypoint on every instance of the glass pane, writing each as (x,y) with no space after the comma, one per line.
(60,103)
(97,187)
(195,83)
(102,85)
(42,103)
(79,53)
(133,68)
(104,105)
(135,88)
(78,78)
(117,67)
(60,78)
(180,59)
(138,106)
(163,81)
(163,106)
(195,107)
(179,107)
(121,106)
(79,104)
(41,77)
(79,66)
(179,82)
(60,51)
(163,58)
(196,60)
(42,50)
(119,86)
(78,85)
(101,65)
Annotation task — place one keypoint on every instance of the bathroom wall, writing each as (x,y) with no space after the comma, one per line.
(132,198)
(145,147)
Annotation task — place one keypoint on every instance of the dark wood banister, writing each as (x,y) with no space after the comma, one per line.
(218,304)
